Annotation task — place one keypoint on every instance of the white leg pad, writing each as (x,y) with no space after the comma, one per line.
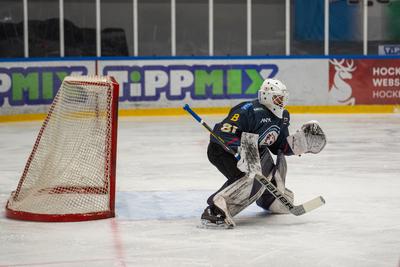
(237,196)
(277,207)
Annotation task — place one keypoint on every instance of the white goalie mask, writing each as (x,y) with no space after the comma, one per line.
(274,95)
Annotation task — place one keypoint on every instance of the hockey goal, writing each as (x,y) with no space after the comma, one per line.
(70,173)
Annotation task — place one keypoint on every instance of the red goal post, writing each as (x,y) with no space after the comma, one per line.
(70,173)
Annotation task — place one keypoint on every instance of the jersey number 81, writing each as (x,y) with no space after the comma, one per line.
(228,128)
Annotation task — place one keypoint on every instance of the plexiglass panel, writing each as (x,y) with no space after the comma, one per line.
(154,26)
(44,28)
(230,30)
(80,27)
(268,27)
(384,27)
(307,27)
(192,28)
(116,27)
(345,27)
(11,29)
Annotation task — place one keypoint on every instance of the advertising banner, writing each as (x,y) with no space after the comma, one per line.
(364,81)
(30,86)
(214,83)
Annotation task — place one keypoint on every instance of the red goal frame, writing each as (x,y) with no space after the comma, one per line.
(111,170)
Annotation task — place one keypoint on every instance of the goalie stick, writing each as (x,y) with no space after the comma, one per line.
(293,209)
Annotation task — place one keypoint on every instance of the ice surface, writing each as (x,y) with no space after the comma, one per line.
(164,178)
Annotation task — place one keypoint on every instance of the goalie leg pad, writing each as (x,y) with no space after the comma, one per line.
(245,191)
(267,162)
(277,207)
(280,171)
(237,196)
(241,193)
(267,201)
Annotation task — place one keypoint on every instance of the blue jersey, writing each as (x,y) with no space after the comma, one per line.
(253,117)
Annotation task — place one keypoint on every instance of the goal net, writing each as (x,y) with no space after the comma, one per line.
(70,173)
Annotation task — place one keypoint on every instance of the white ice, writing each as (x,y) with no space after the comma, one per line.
(164,178)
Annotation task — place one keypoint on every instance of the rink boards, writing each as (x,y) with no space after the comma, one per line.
(151,86)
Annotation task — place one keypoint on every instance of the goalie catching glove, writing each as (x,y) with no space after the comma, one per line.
(309,139)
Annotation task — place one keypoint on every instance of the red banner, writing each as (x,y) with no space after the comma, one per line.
(364,81)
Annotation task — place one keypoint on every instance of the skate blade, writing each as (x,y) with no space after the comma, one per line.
(204,224)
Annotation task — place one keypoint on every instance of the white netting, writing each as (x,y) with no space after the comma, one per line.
(69,169)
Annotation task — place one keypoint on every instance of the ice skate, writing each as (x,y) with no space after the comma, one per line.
(213,218)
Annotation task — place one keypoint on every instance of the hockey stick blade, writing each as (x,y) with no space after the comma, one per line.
(293,209)
(308,206)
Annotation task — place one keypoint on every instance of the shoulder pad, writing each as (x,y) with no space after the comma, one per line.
(247,106)
(258,106)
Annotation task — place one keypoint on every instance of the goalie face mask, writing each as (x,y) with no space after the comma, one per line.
(274,95)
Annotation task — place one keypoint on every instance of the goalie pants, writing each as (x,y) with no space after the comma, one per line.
(226,164)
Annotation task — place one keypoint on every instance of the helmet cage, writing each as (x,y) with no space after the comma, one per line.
(274,96)
(278,100)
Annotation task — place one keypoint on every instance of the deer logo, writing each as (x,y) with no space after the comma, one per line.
(341,91)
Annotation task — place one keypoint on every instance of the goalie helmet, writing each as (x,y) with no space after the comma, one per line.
(274,95)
